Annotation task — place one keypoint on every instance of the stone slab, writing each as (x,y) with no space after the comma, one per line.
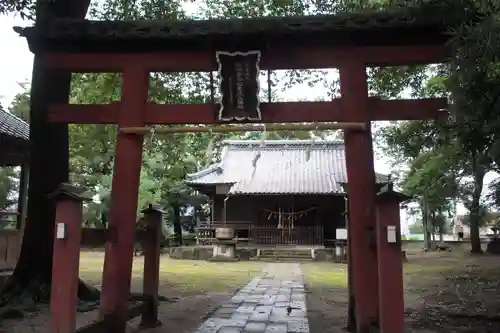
(262,305)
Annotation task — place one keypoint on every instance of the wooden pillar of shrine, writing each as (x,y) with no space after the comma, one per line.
(362,197)
(123,206)
(66,258)
(150,282)
(390,267)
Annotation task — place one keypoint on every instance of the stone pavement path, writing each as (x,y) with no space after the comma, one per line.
(261,306)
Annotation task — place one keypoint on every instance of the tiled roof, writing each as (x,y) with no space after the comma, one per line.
(13,126)
(284,167)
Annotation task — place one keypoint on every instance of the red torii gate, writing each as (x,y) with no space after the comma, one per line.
(65,51)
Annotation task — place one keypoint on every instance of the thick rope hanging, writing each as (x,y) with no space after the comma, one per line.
(302,212)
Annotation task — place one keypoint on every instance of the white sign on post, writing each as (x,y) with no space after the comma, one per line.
(391,234)
(341,234)
(61,231)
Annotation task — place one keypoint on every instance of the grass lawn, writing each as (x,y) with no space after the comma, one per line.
(324,274)
(194,289)
(435,284)
(180,276)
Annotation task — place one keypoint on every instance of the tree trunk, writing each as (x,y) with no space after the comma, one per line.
(425,223)
(351,314)
(177,224)
(351,306)
(49,167)
(433,234)
(475,240)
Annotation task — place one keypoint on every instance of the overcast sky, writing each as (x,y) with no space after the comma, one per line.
(16,60)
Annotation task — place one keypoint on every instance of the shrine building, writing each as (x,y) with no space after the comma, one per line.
(278,192)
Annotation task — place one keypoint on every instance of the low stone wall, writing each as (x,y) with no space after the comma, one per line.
(458,246)
(11,241)
(205,252)
(338,254)
(10,247)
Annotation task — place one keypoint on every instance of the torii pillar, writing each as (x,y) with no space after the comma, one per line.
(118,261)
(390,267)
(361,189)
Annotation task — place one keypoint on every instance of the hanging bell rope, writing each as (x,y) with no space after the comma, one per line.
(245,128)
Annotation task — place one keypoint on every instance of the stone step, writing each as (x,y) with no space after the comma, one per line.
(286,256)
(283,259)
(295,255)
(282,255)
(286,252)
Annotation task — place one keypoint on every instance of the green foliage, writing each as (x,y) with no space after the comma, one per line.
(449,158)
(167,158)
(437,161)
(20,106)
(9,177)
(23,7)
(416,228)
(7,187)
(8,198)
(486,217)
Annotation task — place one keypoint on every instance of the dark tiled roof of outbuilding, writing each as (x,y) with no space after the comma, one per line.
(284,167)
(13,126)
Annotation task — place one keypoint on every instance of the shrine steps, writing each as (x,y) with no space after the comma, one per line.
(288,255)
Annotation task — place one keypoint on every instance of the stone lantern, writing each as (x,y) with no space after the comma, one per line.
(225,244)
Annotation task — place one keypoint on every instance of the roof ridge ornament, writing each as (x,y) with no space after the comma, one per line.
(262,144)
(309,149)
(209,152)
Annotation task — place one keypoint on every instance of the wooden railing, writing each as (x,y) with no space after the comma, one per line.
(270,235)
(220,224)
(205,231)
(262,235)
(340,251)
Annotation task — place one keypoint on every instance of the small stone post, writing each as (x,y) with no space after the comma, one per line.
(153,217)
(66,257)
(390,267)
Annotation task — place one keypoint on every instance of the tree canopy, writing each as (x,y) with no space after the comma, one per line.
(22,7)
(449,159)
(437,161)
